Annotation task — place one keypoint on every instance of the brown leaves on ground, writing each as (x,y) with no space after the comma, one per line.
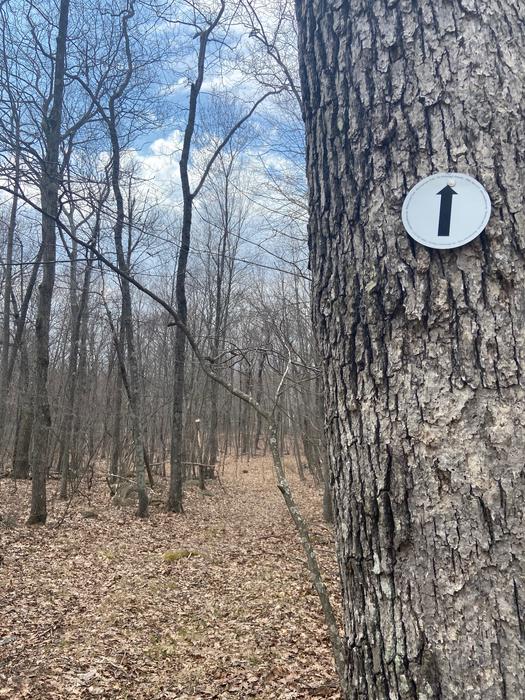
(216,603)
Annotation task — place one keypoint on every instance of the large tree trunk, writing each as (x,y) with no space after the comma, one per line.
(49,201)
(423,349)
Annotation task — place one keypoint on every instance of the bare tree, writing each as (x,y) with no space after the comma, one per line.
(205,35)
(49,185)
(78,301)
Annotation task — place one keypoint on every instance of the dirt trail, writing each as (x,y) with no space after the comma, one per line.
(213,604)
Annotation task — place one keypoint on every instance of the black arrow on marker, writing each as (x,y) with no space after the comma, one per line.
(445,210)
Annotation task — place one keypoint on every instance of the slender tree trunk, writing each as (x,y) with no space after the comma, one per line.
(80,415)
(71,381)
(76,380)
(311,557)
(179,347)
(258,397)
(176,455)
(423,350)
(135,399)
(8,290)
(24,424)
(223,284)
(49,201)
(245,415)
(134,396)
(21,315)
(115,470)
(121,346)
(179,350)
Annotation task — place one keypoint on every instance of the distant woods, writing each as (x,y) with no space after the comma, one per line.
(157,144)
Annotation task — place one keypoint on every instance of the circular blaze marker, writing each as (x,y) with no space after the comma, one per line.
(440,215)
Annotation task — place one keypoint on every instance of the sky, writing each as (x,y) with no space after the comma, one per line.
(269,169)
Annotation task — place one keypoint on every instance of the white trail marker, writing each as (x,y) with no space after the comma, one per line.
(446,210)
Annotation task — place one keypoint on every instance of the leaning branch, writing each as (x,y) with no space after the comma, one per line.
(227,139)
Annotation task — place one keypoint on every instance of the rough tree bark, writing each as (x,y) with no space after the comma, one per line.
(423,349)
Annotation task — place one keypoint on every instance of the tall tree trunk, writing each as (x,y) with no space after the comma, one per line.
(78,324)
(134,380)
(219,328)
(8,290)
(135,399)
(49,201)
(74,323)
(80,415)
(423,349)
(179,350)
(176,455)
(179,347)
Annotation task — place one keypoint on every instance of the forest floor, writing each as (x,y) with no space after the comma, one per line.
(216,603)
